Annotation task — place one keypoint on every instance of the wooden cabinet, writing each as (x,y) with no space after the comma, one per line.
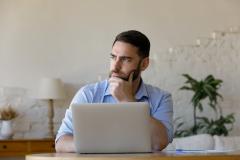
(23,147)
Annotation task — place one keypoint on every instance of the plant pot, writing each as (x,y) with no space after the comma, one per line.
(6,131)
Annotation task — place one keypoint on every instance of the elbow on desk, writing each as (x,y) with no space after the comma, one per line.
(65,144)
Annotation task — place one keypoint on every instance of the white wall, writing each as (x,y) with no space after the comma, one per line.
(62,38)
(71,39)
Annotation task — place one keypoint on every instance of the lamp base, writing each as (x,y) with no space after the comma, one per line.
(50,119)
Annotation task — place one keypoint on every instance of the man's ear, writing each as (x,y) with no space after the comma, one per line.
(145,63)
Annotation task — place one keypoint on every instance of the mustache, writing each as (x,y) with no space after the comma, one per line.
(125,77)
(121,75)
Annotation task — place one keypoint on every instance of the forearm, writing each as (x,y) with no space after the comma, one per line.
(65,144)
(159,134)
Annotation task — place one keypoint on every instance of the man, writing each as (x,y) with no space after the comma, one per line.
(129,57)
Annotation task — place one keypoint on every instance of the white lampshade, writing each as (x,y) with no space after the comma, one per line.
(51,88)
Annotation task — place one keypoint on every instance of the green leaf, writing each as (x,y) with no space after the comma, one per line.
(204,119)
(186,88)
(206,89)
(209,78)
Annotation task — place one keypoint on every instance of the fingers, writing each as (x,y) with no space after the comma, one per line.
(115,80)
(130,79)
(122,90)
(113,87)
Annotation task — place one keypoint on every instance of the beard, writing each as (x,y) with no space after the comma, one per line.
(126,77)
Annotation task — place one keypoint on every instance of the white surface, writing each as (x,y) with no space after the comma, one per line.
(205,143)
(227,143)
(70,39)
(196,142)
(199,151)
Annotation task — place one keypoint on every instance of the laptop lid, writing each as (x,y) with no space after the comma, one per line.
(111,128)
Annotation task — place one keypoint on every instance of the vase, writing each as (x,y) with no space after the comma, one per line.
(6,131)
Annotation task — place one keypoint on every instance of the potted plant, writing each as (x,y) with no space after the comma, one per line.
(7,113)
(206,89)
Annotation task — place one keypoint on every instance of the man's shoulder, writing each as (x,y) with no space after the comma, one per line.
(94,86)
(90,92)
(154,90)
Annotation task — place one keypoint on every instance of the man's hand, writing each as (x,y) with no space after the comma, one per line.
(65,144)
(122,90)
(159,135)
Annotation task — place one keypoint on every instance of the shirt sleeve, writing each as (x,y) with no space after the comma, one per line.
(164,113)
(82,96)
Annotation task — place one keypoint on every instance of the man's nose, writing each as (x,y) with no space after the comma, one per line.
(117,64)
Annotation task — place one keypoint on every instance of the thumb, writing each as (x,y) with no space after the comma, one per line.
(130,79)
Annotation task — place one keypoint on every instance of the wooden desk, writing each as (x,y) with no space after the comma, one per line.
(23,147)
(151,156)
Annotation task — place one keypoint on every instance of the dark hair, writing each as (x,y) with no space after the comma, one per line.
(137,39)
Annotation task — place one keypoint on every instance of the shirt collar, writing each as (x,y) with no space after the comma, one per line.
(107,92)
(142,91)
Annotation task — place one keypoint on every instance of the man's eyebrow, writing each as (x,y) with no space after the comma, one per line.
(126,57)
(121,56)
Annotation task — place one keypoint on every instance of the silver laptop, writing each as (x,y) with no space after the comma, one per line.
(111,128)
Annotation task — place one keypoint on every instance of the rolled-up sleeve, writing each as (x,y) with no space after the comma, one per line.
(66,127)
(163,111)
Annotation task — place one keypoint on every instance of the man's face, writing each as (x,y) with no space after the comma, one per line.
(124,61)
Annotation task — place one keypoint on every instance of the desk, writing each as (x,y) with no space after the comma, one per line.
(22,147)
(150,156)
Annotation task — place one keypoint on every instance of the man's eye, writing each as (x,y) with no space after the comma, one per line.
(112,56)
(126,59)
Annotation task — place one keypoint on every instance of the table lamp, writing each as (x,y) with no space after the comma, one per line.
(51,89)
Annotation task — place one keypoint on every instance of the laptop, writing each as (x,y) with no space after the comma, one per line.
(111,128)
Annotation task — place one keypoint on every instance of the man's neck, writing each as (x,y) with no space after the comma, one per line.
(136,85)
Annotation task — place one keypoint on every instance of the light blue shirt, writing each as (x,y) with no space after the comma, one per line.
(160,103)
